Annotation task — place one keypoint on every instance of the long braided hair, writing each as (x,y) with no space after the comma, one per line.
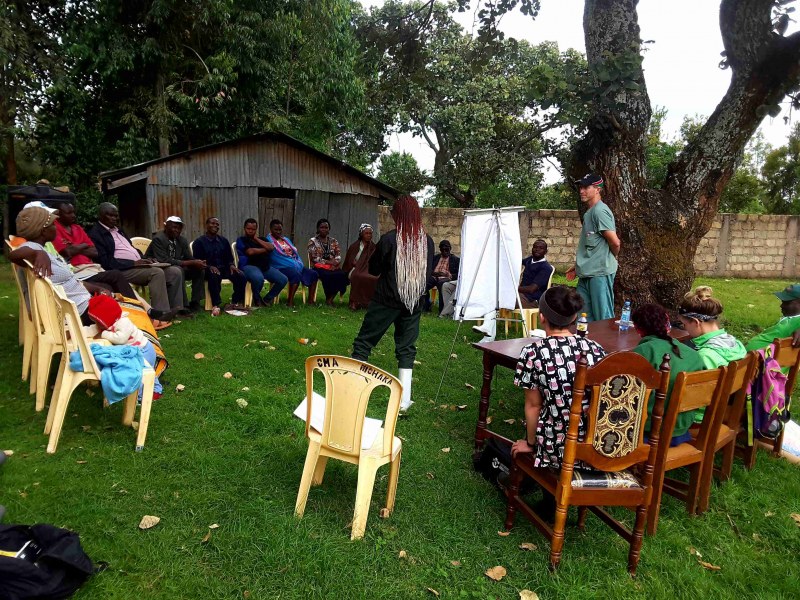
(412,251)
(652,319)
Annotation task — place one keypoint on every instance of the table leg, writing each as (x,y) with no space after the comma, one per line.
(483,405)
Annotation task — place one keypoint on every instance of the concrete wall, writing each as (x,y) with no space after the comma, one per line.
(736,245)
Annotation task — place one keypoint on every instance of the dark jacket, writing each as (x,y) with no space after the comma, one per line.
(453,264)
(383,264)
(159,249)
(104,242)
(215,251)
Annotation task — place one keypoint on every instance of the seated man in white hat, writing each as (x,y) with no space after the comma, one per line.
(169,246)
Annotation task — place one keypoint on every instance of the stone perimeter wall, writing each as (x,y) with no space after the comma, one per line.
(737,245)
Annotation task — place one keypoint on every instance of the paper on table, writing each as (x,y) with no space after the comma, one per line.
(368,435)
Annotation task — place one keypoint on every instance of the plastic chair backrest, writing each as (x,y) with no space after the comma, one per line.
(235,255)
(49,319)
(619,387)
(349,383)
(72,336)
(20,278)
(141,244)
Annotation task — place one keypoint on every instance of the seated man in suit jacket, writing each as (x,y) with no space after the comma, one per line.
(169,246)
(445,268)
(115,251)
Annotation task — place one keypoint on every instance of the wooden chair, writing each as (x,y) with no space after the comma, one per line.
(729,425)
(700,389)
(616,411)
(787,357)
(68,380)
(349,384)
(248,287)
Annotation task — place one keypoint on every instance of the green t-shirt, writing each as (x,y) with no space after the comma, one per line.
(783,328)
(594,257)
(653,349)
(717,349)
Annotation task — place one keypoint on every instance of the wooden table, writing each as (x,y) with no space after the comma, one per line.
(506,354)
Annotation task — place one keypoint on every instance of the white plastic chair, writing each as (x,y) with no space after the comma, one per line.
(349,383)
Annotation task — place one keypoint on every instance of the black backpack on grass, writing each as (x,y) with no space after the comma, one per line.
(41,561)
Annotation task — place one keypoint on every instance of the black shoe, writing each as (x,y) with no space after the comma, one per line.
(161,315)
(185,312)
(195,307)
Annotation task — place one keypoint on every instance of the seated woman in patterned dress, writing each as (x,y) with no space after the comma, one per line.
(325,257)
(546,371)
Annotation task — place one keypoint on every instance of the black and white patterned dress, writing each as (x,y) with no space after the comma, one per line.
(549,365)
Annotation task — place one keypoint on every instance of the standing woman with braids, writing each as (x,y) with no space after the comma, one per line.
(403,263)
(652,323)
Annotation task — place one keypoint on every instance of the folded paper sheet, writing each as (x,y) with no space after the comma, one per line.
(368,435)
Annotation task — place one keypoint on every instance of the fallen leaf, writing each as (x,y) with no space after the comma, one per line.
(385,513)
(504,533)
(709,566)
(8,452)
(402,554)
(246,594)
(527,546)
(454,355)
(245,389)
(314,343)
(429,475)
(455,563)
(694,552)
(228,375)
(528,595)
(241,402)
(86,427)
(416,362)
(469,386)
(180,387)
(206,537)
(443,406)
(23,494)
(433,591)
(488,420)
(303,341)
(149,521)
(769,513)
(756,537)
(461,406)
(509,421)
(271,348)
(796,518)
(213,526)
(445,450)
(81,462)
(265,342)
(199,355)
(496,573)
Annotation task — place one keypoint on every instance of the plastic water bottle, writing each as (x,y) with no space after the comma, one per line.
(582,328)
(625,317)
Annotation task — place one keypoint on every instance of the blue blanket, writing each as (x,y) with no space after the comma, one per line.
(120,369)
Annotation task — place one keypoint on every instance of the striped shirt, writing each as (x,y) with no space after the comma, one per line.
(63,276)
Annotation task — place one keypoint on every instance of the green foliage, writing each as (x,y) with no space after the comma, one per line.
(483,106)
(781,172)
(660,153)
(400,170)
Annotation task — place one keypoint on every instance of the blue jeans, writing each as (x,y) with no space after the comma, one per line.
(256,278)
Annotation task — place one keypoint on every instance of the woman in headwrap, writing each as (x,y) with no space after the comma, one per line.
(325,257)
(356,265)
(403,262)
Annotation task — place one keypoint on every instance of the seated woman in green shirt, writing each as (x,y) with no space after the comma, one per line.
(651,321)
(787,325)
(699,314)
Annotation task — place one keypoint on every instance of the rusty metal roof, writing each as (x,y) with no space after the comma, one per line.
(132,170)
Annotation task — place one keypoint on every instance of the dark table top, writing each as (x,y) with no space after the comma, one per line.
(606,333)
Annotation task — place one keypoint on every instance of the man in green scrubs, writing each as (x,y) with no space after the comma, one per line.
(787,325)
(598,248)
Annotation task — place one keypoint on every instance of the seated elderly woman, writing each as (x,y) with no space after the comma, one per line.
(286,259)
(546,371)
(325,256)
(652,323)
(699,314)
(356,265)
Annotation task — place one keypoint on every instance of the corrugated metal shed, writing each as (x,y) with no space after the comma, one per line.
(249,177)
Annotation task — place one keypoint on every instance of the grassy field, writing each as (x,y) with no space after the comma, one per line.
(208,461)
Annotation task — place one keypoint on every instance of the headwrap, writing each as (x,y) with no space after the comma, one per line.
(31,221)
(696,315)
(551,315)
(363,227)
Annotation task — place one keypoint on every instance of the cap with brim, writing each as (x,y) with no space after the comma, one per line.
(589,179)
(39,204)
(173,219)
(31,221)
(791,292)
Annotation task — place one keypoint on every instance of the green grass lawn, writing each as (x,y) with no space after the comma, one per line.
(208,461)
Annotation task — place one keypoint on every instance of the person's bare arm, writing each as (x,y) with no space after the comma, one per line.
(38,258)
(533,406)
(613,241)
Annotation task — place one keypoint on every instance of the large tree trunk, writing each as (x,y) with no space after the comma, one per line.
(660,229)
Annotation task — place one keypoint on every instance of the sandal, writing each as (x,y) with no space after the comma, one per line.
(159,325)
